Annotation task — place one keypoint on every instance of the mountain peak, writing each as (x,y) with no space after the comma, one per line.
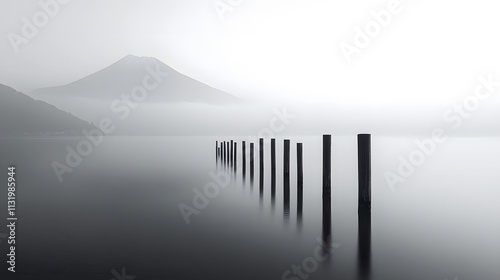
(139,61)
(132,57)
(131,72)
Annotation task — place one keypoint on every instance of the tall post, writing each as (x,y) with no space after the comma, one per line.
(300,180)
(273,169)
(327,181)
(217,151)
(286,175)
(364,173)
(327,166)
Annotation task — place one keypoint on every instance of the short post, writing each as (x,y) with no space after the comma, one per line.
(273,168)
(231,155)
(244,160)
(286,174)
(364,173)
(235,157)
(223,146)
(227,153)
(261,170)
(300,180)
(251,161)
(261,155)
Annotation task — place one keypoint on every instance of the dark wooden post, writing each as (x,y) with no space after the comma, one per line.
(251,162)
(235,157)
(244,160)
(273,169)
(231,155)
(217,151)
(364,173)
(300,180)
(227,153)
(327,166)
(261,170)
(221,148)
(223,159)
(261,155)
(286,175)
(327,201)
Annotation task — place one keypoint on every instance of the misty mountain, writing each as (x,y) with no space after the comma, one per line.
(143,79)
(22,115)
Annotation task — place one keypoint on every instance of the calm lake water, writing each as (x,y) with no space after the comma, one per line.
(120,209)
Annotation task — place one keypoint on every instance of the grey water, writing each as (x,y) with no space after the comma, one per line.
(119,209)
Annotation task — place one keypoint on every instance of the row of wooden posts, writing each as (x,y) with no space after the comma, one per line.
(226,154)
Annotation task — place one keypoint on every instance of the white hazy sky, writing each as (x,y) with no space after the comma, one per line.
(430,52)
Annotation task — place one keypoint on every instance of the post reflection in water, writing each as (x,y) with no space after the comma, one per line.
(326,233)
(364,245)
(261,190)
(261,185)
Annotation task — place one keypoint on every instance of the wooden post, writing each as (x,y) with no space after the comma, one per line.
(364,173)
(221,148)
(300,180)
(223,159)
(217,151)
(261,155)
(261,170)
(244,160)
(251,162)
(273,169)
(327,166)
(235,157)
(231,155)
(227,153)
(286,175)
(327,177)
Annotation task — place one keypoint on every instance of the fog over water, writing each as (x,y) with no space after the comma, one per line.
(113,112)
